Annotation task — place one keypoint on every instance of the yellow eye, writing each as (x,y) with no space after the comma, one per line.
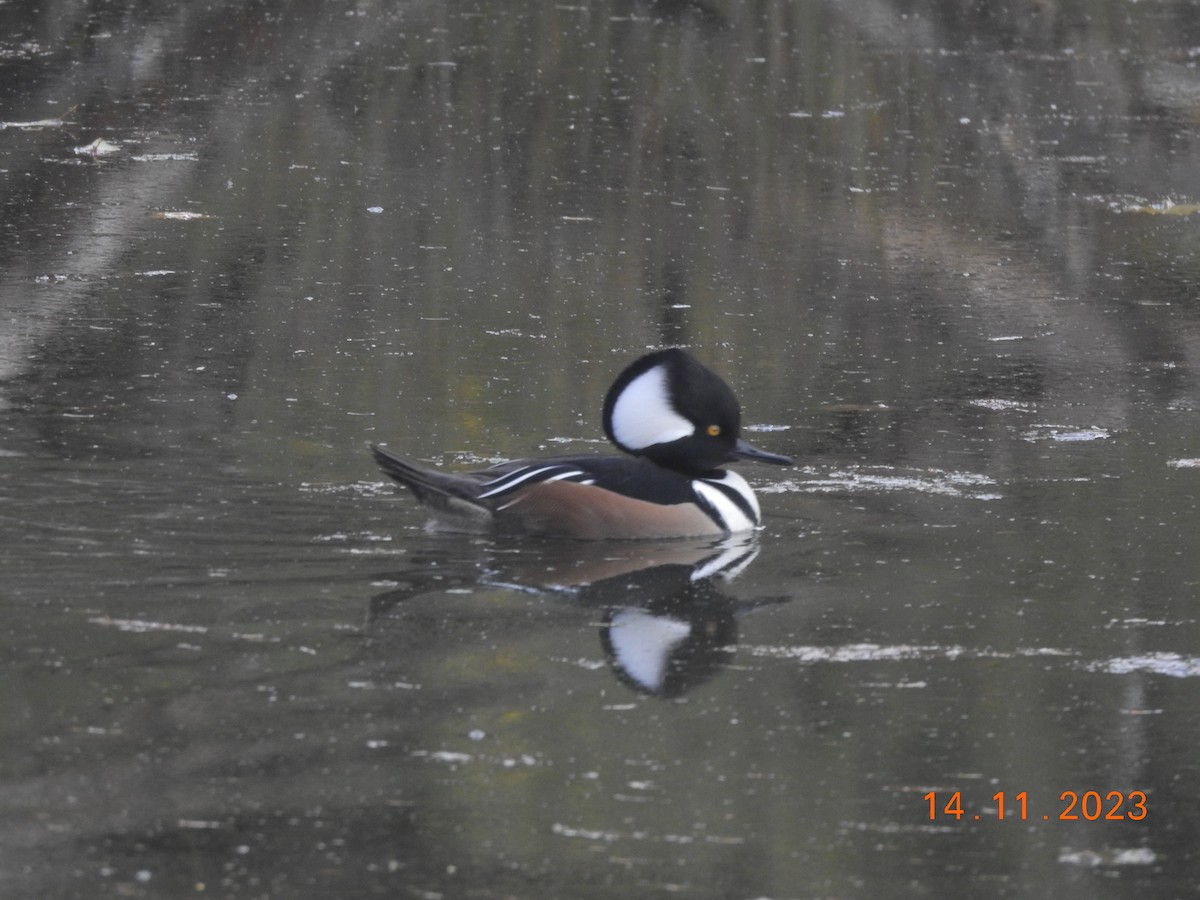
(713,430)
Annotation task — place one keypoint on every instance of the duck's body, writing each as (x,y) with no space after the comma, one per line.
(591,497)
(679,422)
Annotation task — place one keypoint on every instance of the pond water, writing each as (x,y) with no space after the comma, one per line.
(947,257)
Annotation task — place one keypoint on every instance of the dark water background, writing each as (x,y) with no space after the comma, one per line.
(945,253)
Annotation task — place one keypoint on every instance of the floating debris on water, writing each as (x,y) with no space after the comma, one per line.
(883,653)
(98,147)
(1163,207)
(1172,664)
(166,157)
(178,215)
(142,626)
(1091,859)
(1065,434)
(33,125)
(862,480)
(1001,405)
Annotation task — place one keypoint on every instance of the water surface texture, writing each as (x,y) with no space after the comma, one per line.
(948,255)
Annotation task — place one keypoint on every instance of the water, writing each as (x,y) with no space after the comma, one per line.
(946,259)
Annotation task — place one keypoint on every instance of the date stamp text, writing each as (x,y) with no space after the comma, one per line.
(1089,806)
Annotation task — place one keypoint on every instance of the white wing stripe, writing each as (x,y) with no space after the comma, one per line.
(506,476)
(519,477)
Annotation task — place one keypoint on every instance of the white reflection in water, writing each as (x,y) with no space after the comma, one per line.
(643,643)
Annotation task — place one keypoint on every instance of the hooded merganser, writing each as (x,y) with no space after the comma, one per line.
(679,422)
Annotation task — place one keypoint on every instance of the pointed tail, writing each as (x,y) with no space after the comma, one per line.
(457,495)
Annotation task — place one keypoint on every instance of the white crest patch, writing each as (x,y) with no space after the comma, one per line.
(643,416)
(731,513)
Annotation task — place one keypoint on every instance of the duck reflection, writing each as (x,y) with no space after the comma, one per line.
(674,642)
(666,623)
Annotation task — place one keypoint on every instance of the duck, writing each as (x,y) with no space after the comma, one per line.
(677,423)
